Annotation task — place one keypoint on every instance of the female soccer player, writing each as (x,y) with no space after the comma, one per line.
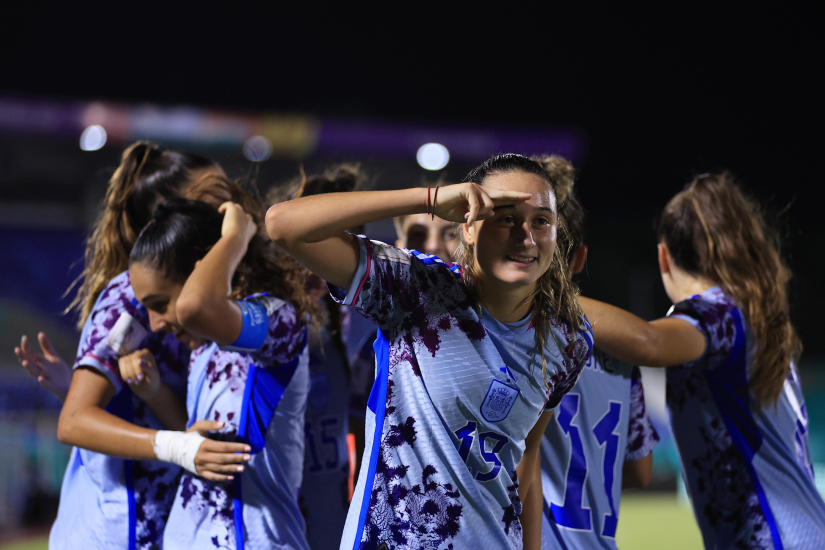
(735,403)
(106,501)
(190,267)
(466,364)
(600,440)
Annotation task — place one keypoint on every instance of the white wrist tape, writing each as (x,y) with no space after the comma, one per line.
(178,448)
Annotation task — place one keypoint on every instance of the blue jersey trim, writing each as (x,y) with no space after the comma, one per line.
(377,404)
(429,259)
(729,387)
(262,394)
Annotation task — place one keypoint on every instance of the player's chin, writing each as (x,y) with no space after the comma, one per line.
(520,275)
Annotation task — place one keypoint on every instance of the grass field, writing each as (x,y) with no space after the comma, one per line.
(655,521)
(646,522)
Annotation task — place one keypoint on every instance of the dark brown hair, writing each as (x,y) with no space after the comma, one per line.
(146,176)
(554,297)
(183,231)
(714,231)
(562,172)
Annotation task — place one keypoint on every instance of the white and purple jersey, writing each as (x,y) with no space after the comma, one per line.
(108,502)
(258,387)
(598,426)
(455,396)
(748,472)
(325,488)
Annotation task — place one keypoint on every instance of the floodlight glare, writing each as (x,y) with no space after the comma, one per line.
(93,138)
(432,156)
(257,149)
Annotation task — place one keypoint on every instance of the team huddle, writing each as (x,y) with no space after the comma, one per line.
(227,356)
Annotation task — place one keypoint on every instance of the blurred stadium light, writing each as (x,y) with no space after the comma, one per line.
(289,135)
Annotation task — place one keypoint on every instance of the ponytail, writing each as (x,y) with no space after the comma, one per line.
(714,231)
(146,176)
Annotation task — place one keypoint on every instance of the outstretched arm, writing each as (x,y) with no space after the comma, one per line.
(660,343)
(85,423)
(313,229)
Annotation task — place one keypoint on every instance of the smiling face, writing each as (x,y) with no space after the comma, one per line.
(159,295)
(516,245)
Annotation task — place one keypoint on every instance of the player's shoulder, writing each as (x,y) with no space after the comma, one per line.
(713,313)
(711,307)
(273,307)
(577,341)
(383,251)
(117,295)
(434,262)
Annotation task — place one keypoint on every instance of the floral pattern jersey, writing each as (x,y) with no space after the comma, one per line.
(747,470)
(108,502)
(456,394)
(220,388)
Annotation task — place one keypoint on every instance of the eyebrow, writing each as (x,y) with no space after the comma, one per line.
(151,296)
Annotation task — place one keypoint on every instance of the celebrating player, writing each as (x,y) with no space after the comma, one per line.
(108,502)
(466,361)
(733,394)
(190,268)
(600,440)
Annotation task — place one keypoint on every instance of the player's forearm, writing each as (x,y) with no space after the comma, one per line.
(659,343)
(95,429)
(532,507)
(320,217)
(168,408)
(205,306)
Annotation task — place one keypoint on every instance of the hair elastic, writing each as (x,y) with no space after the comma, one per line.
(435,197)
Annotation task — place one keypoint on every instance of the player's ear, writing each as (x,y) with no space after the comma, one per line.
(578,260)
(664,259)
(469,233)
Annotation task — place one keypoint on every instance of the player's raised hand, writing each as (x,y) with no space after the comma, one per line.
(48,367)
(237,222)
(140,371)
(468,202)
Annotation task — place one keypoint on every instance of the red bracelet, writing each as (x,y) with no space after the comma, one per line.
(428,199)
(435,196)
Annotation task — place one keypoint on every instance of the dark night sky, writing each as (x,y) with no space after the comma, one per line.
(661,94)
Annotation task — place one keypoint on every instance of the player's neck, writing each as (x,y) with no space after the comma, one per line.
(683,285)
(506,303)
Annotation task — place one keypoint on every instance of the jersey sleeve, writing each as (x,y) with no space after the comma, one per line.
(283,336)
(393,287)
(116,327)
(641,435)
(714,320)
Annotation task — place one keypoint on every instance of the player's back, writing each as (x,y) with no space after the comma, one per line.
(598,426)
